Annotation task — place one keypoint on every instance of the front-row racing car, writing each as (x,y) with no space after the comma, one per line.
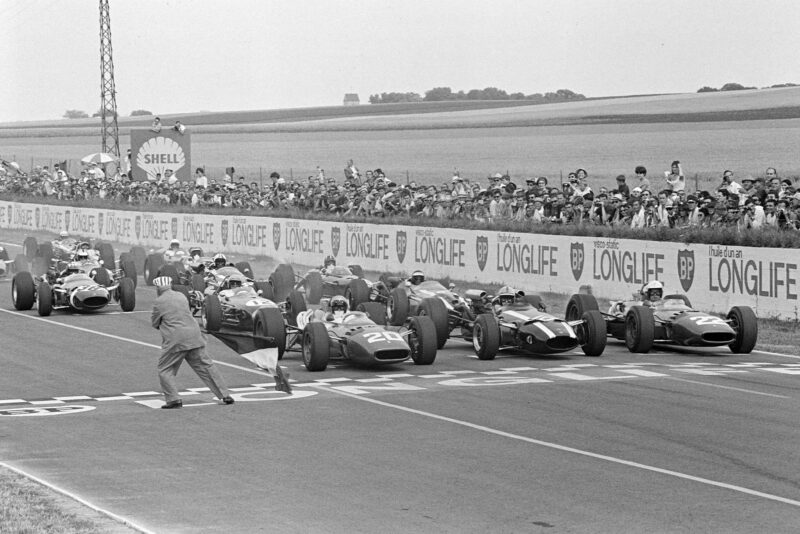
(514,319)
(76,291)
(335,332)
(650,317)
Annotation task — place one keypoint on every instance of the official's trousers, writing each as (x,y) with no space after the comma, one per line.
(198,360)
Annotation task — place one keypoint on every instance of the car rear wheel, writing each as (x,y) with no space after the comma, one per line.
(486,336)
(639,329)
(152,264)
(397,306)
(579,304)
(129,270)
(269,323)
(357,292)
(357,270)
(23,291)
(171,271)
(127,295)
(211,316)
(434,308)
(198,282)
(313,287)
(106,251)
(245,269)
(316,347)
(422,340)
(296,304)
(46,252)
(30,247)
(265,288)
(138,255)
(45,299)
(102,277)
(592,333)
(374,310)
(745,323)
(282,280)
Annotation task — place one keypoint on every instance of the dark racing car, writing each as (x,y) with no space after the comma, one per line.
(333,332)
(514,319)
(326,282)
(649,318)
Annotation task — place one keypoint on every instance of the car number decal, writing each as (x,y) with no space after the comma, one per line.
(707,320)
(376,337)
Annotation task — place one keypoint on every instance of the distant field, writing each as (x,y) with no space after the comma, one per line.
(707,132)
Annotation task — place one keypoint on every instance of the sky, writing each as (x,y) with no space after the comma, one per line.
(201,55)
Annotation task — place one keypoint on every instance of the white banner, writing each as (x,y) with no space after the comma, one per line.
(714,277)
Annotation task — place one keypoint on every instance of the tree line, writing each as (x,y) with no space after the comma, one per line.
(440,94)
(739,87)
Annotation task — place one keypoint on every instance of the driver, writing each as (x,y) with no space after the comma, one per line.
(220,261)
(506,296)
(339,307)
(330,261)
(417,277)
(232,285)
(652,293)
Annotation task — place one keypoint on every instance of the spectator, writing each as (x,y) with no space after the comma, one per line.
(200,178)
(676,181)
(622,187)
(156,126)
(641,174)
(180,128)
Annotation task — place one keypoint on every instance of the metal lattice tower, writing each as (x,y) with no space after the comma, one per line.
(108,91)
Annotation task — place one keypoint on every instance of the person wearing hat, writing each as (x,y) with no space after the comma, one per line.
(181,339)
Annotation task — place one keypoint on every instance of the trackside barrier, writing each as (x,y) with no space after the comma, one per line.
(714,277)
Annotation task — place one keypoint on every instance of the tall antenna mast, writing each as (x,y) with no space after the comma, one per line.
(108,91)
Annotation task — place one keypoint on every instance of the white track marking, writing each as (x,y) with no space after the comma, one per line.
(777,354)
(73,496)
(564,448)
(727,387)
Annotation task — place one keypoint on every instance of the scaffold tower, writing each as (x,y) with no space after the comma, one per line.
(108,91)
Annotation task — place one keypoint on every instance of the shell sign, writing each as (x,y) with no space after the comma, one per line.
(154,153)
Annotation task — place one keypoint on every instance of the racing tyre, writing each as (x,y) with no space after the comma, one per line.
(39,266)
(435,309)
(282,280)
(296,304)
(374,310)
(269,323)
(536,301)
(101,276)
(592,333)
(45,252)
(44,296)
(397,306)
(3,254)
(106,251)
(579,304)
(357,292)
(245,269)
(313,287)
(639,329)
(129,270)
(171,271)
(198,282)
(127,294)
(265,288)
(152,264)
(316,347)
(23,290)
(744,321)
(125,256)
(211,316)
(20,263)
(486,336)
(422,340)
(138,255)
(184,291)
(357,270)
(30,247)
(678,296)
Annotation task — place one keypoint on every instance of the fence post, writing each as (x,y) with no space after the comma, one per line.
(696,186)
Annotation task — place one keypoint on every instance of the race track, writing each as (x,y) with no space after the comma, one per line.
(671,441)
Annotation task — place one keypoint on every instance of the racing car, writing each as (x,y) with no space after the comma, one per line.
(182,265)
(334,332)
(514,319)
(651,317)
(73,291)
(327,281)
(239,303)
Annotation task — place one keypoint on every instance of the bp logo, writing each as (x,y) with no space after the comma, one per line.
(223,232)
(336,239)
(137,225)
(100,223)
(276,235)
(174,228)
(686,268)
(402,244)
(576,256)
(66,218)
(36,216)
(482,250)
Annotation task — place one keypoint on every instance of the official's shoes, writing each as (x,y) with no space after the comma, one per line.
(227,400)
(282,381)
(171,405)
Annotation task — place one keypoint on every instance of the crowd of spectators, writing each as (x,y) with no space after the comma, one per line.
(642,203)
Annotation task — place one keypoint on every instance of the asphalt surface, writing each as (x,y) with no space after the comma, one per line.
(672,441)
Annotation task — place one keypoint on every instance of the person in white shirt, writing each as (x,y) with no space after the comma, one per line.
(729,184)
(676,181)
(200,178)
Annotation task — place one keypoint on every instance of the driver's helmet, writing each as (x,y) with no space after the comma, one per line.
(174,244)
(85,246)
(417,277)
(339,306)
(82,254)
(506,295)
(329,260)
(220,261)
(233,282)
(653,291)
(63,235)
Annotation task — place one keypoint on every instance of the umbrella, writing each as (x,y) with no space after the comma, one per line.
(100,157)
